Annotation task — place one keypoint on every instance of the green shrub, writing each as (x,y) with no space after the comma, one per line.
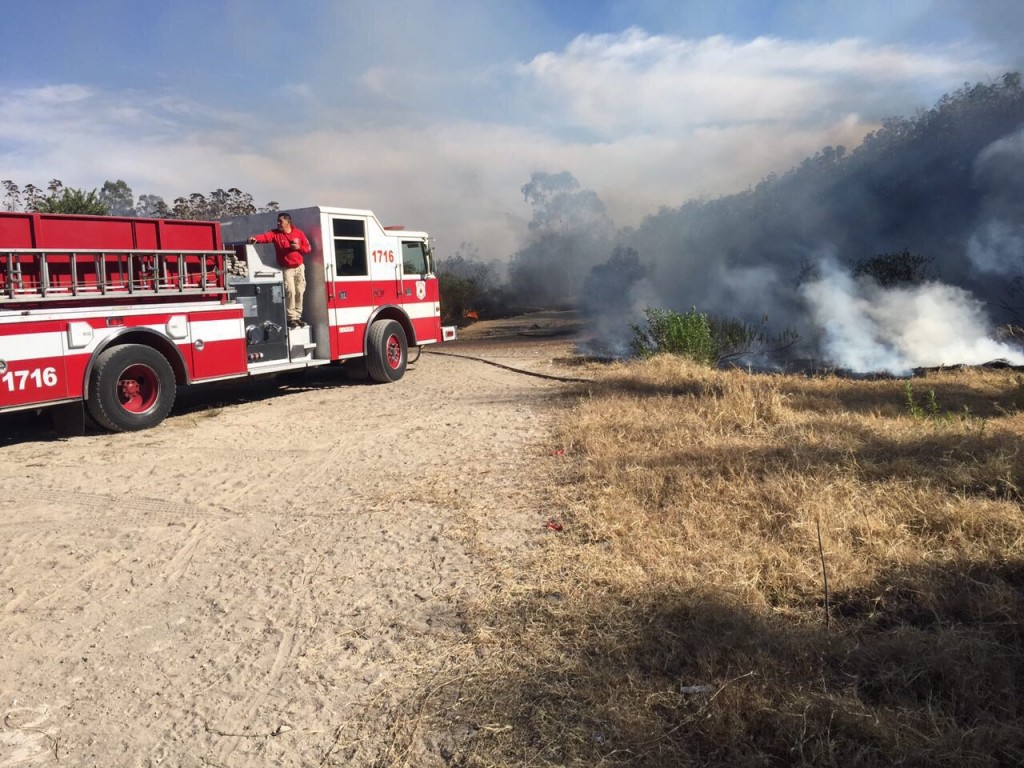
(707,340)
(687,335)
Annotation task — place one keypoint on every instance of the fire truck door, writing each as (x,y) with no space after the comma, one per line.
(418,289)
(350,288)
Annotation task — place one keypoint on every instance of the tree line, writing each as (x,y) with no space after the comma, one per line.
(115,198)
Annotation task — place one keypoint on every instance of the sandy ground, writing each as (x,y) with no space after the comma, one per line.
(266,577)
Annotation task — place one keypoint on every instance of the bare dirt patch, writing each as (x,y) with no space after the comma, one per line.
(270,576)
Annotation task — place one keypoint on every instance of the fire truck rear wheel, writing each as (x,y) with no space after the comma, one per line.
(388,351)
(132,387)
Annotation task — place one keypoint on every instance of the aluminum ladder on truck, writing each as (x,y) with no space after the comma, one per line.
(35,274)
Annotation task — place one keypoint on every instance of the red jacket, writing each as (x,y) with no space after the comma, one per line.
(282,241)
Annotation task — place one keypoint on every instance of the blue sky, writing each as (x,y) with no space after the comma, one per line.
(435,112)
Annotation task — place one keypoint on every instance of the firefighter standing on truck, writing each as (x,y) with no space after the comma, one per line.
(290,243)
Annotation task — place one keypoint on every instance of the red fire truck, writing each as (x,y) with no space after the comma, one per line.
(110,314)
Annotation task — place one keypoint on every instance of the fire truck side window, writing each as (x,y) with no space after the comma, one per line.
(349,247)
(414,261)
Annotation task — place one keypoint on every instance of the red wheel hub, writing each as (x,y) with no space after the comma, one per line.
(138,388)
(394,352)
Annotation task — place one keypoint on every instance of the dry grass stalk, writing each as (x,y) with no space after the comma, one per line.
(690,562)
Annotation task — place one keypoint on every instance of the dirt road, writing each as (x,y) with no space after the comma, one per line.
(264,578)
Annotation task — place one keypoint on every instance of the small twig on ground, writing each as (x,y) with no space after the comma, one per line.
(700,711)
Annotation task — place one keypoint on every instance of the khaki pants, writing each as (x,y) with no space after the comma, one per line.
(294,287)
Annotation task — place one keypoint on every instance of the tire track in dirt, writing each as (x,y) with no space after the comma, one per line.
(175,568)
(237,722)
(65,501)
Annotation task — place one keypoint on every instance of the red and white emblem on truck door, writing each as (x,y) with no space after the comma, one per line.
(421,289)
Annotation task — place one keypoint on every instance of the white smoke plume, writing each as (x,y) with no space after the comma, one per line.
(997,248)
(997,245)
(867,328)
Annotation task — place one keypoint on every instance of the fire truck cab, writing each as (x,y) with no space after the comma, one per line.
(108,315)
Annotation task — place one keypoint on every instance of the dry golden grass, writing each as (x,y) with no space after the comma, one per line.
(680,617)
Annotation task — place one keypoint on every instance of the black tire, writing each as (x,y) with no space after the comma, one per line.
(132,387)
(387,351)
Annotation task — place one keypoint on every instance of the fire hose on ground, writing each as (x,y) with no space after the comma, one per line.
(550,376)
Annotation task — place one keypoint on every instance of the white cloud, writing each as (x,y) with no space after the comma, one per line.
(620,84)
(61,94)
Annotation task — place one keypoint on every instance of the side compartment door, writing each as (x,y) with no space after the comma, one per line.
(34,370)
(350,296)
(217,343)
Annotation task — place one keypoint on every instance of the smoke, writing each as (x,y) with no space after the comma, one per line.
(929,207)
(997,245)
(997,248)
(866,327)
(614,296)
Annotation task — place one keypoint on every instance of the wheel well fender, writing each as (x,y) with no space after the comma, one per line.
(148,338)
(390,312)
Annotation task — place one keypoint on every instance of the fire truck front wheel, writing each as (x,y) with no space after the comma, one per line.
(132,387)
(388,351)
